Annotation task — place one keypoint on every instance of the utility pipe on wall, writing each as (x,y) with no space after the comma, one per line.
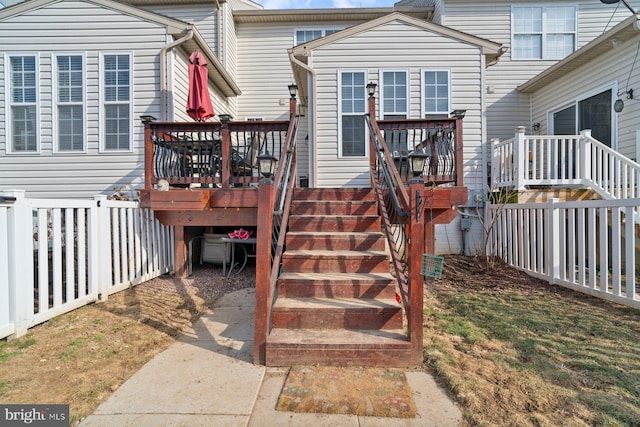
(164,95)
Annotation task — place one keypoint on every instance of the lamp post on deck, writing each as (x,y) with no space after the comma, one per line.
(293,91)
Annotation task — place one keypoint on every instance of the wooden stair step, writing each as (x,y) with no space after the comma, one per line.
(332,240)
(334,223)
(340,285)
(315,261)
(334,207)
(335,313)
(361,347)
(333,194)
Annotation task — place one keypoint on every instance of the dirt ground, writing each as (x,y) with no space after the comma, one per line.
(82,357)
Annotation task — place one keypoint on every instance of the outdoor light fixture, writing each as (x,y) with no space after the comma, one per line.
(267,164)
(371,89)
(147,119)
(458,114)
(293,90)
(618,105)
(618,1)
(224,118)
(535,127)
(417,159)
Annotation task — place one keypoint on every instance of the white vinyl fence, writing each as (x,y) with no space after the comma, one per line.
(58,255)
(588,246)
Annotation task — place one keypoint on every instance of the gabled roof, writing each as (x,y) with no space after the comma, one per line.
(622,32)
(490,49)
(175,27)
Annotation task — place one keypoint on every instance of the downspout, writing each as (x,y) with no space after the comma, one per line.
(164,96)
(311,114)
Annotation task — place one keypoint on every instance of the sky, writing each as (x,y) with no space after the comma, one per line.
(321,4)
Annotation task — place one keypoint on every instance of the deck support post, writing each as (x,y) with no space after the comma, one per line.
(180,250)
(416,281)
(263,271)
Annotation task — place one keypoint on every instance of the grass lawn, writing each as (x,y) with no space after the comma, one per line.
(515,351)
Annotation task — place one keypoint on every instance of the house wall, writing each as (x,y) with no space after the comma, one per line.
(398,46)
(264,74)
(203,16)
(506,108)
(84,28)
(588,79)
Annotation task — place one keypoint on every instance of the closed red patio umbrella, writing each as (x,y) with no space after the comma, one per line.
(199,105)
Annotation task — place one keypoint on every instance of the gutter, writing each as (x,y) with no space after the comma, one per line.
(311,114)
(164,97)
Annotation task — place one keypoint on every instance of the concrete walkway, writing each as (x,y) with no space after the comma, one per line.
(207,378)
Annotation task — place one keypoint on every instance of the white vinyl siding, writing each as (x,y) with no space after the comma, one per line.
(543,32)
(70,27)
(203,16)
(436,93)
(69,94)
(117,97)
(22,103)
(352,102)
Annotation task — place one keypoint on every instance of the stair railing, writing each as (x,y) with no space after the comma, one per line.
(404,228)
(274,203)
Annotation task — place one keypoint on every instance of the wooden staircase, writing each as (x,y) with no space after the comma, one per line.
(336,300)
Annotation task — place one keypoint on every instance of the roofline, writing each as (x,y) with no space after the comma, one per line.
(489,48)
(176,28)
(314,15)
(583,53)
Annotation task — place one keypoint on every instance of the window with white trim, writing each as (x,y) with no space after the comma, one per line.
(116,101)
(69,101)
(352,108)
(22,87)
(394,105)
(303,36)
(543,32)
(436,93)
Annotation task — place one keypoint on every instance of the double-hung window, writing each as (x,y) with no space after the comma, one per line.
(70,102)
(117,101)
(436,93)
(543,32)
(352,108)
(303,36)
(394,105)
(22,90)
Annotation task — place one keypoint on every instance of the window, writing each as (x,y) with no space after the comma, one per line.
(116,100)
(303,36)
(436,93)
(22,87)
(594,112)
(352,109)
(70,102)
(394,105)
(543,32)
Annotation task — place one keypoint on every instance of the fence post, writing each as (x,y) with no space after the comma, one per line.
(263,271)
(100,251)
(519,158)
(496,174)
(20,249)
(553,241)
(585,157)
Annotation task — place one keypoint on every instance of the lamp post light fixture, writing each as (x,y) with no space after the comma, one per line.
(225,118)
(293,90)
(147,119)
(458,113)
(267,164)
(371,89)
(417,160)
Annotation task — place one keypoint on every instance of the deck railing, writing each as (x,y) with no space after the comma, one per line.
(525,160)
(404,228)
(209,154)
(588,246)
(439,139)
(274,202)
(57,255)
